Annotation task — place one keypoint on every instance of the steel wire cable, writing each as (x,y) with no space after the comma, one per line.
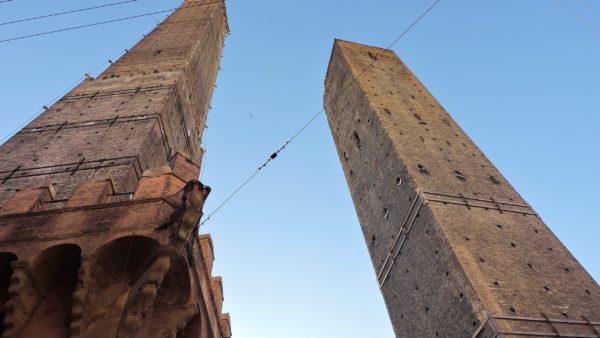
(591,9)
(579,17)
(66,12)
(106,22)
(314,117)
(59,96)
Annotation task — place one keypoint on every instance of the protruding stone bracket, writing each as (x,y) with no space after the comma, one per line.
(142,295)
(23,299)
(79,297)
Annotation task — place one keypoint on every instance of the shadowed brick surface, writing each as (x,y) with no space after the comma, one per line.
(456,250)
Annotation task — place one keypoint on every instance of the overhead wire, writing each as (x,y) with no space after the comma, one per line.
(66,12)
(57,97)
(590,26)
(106,22)
(315,116)
(591,9)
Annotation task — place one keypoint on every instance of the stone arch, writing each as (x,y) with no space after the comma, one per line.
(55,274)
(114,268)
(6,258)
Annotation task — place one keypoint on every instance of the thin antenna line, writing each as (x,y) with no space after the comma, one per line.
(314,117)
(55,99)
(66,12)
(579,17)
(590,9)
(106,22)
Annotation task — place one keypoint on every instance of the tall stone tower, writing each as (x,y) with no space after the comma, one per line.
(100,200)
(456,250)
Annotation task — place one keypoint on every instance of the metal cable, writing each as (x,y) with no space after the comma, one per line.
(66,12)
(592,10)
(314,117)
(106,22)
(579,17)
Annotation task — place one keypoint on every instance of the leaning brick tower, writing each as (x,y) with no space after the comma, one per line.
(457,251)
(100,198)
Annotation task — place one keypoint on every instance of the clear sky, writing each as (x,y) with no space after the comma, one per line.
(520,77)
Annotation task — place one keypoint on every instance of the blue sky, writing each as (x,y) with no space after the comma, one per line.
(520,77)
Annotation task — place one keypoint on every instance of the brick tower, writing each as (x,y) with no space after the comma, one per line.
(456,250)
(100,200)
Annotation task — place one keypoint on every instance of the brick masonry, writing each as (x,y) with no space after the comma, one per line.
(456,250)
(100,202)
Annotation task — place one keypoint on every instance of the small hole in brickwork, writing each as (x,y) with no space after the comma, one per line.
(536,231)
(437,252)
(401,316)
(550,249)
(407,270)
(565,315)
(385,213)
(427,232)
(481,260)
(395,296)
(459,175)
(356,139)
(372,56)
(351,173)
(588,292)
(474,324)
(436,333)
(567,270)
(426,308)
(546,288)
(346,157)
(512,309)
(422,138)
(529,265)
(499,226)
(461,295)
(422,169)
(417,287)
(467,239)
(513,245)
(494,180)
(447,273)
(496,284)
(398,182)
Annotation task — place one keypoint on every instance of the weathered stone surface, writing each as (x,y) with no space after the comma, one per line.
(100,202)
(456,250)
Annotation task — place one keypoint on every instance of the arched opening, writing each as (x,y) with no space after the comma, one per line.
(55,272)
(5,274)
(115,267)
